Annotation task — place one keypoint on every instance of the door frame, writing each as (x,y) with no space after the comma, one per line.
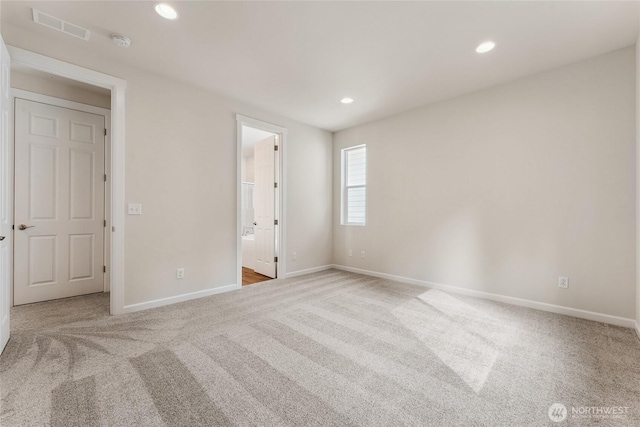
(85,108)
(116,173)
(281,204)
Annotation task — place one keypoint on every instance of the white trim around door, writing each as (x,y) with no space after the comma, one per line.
(282,193)
(117,170)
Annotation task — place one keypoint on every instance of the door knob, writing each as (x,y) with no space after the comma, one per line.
(255,223)
(24,227)
(2,238)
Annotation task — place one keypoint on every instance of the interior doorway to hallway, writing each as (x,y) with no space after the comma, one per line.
(11,57)
(61,157)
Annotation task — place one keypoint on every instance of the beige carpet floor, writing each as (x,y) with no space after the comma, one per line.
(327,349)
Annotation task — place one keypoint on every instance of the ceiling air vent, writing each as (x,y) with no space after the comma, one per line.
(60,25)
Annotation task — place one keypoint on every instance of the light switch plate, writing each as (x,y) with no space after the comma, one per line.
(135,209)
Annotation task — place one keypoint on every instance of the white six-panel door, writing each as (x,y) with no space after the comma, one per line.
(6,180)
(59,202)
(264,206)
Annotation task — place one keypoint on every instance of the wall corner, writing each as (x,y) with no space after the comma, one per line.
(638,184)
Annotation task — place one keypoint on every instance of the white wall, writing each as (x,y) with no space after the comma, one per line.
(506,189)
(58,89)
(181,165)
(249,171)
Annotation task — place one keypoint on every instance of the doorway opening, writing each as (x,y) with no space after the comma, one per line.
(10,55)
(260,219)
(62,153)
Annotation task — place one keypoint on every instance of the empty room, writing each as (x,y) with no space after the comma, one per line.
(331,213)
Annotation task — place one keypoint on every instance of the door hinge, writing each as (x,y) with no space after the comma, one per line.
(275,222)
(105,131)
(13,227)
(275,259)
(104,268)
(105,177)
(275,148)
(105,223)
(275,185)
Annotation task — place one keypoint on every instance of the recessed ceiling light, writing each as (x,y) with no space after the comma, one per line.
(166,11)
(485,47)
(346,100)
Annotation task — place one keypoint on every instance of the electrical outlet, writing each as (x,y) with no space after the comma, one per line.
(362,254)
(135,209)
(180,273)
(563,282)
(350,252)
(294,256)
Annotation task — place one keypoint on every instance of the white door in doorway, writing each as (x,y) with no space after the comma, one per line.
(59,202)
(264,206)
(6,176)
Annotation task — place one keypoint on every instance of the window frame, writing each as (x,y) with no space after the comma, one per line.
(345,188)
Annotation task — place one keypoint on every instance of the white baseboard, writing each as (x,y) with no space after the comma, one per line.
(638,329)
(207,292)
(178,298)
(308,271)
(575,312)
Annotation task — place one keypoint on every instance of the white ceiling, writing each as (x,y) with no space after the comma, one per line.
(299,59)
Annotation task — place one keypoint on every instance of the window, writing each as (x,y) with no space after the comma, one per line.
(354,185)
